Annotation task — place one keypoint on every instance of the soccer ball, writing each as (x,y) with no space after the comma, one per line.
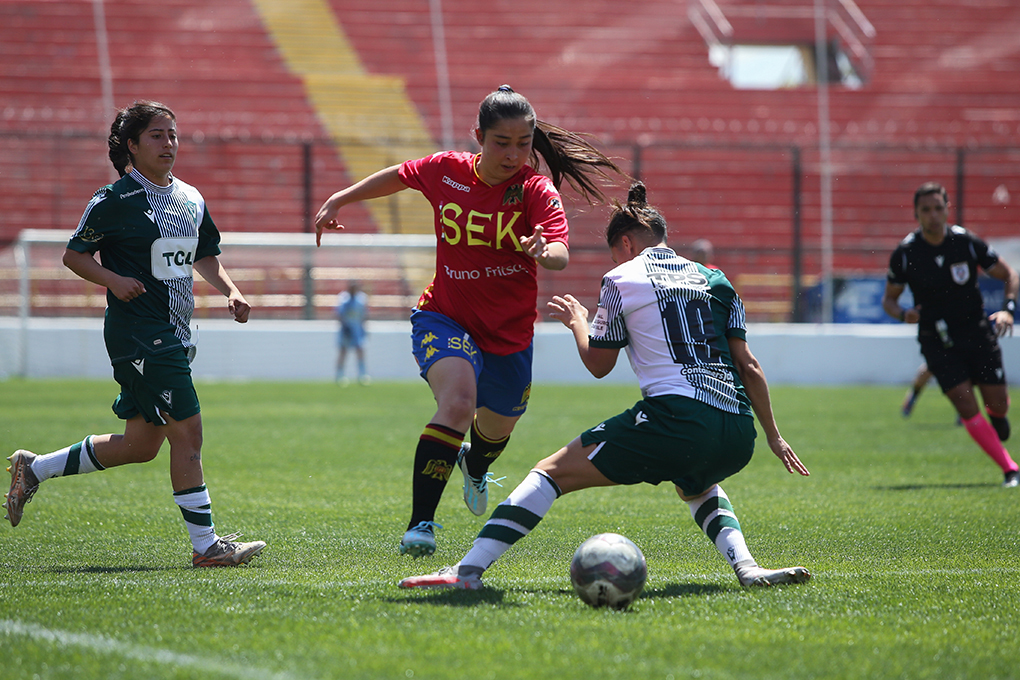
(608,570)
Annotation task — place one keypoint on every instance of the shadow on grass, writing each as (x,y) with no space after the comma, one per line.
(456,598)
(675,590)
(106,570)
(491,596)
(921,487)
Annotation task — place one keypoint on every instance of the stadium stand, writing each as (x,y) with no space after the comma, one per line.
(251,83)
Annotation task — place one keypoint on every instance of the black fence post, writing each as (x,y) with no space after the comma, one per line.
(797,248)
(309,286)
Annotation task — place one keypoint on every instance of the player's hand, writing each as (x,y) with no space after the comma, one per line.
(789,458)
(127,289)
(325,219)
(567,310)
(535,245)
(912,315)
(238,308)
(1002,322)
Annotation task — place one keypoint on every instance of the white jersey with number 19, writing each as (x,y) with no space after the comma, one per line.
(674,318)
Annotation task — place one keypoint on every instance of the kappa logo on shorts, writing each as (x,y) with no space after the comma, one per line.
(640,418)
(428,338)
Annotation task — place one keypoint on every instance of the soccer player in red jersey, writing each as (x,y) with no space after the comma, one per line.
(497,220)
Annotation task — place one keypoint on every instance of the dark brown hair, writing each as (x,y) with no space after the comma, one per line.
(130,123)
(567,154)
(930,188)
(636,216)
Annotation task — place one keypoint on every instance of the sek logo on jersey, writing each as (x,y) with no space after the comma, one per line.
(172,258)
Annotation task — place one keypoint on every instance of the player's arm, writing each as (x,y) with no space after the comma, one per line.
(753,378)
(598,360)
(382,183)
(213,272)
(891,304)
(554,256)
(1004,319)
(124,288)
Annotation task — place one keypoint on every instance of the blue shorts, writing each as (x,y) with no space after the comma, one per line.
(351,336)
(504,382)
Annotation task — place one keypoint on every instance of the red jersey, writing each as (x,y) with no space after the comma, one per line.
(484,280)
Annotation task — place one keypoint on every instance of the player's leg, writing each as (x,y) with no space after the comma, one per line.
(713,513)
(569,469)
(139,444)
(981,431)
(996,400)
(921,379)
(192,497)
(452,380)
(450,363)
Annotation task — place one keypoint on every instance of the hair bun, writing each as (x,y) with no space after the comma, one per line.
(638,195)
(505,88)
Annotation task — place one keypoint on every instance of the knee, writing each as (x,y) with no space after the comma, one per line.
(458,409)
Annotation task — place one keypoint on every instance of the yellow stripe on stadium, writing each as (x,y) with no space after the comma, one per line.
(360,111)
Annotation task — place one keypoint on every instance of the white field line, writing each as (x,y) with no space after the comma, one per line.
(107,645)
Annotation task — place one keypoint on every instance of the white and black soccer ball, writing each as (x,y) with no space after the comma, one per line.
(608,570)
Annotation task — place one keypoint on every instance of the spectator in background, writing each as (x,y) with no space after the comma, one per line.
(352,310)
(959,343)
(702,252)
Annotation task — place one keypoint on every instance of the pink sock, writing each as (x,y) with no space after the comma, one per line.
(983,433)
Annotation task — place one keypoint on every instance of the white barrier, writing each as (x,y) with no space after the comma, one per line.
(804,354)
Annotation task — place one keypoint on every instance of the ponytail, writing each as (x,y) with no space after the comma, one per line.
(636,216)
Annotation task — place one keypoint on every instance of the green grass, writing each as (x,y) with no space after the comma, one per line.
(913,544)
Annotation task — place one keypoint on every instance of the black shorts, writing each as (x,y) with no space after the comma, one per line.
(974,356)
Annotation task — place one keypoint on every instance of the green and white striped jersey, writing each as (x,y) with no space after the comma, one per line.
(153,234)
(674,316)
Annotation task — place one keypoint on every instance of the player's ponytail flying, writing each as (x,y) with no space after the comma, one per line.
(567,154)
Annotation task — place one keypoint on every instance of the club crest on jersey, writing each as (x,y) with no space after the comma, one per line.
(514,195)
(88,235)
(554,202)
(960,272)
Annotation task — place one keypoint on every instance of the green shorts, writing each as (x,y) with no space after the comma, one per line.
(675,439)
(155,385)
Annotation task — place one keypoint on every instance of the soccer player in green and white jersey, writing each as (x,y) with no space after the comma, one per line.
(682,325)
(151,231)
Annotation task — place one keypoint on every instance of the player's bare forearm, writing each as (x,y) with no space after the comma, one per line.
(383,183)
(213,272)
(757,388)
(572,314)
(85,265)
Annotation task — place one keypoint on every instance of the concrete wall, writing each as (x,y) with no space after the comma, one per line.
(802,354)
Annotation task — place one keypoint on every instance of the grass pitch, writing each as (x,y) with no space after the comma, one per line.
(913,545)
